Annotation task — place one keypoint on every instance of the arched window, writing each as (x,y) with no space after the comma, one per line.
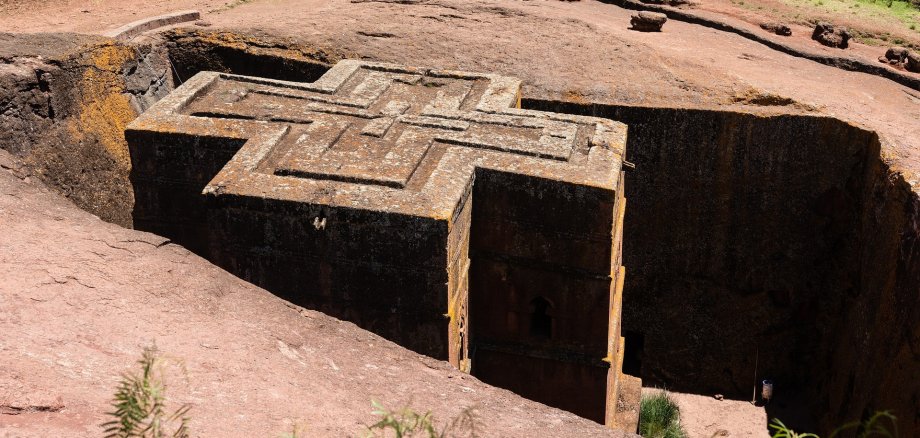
(541,321)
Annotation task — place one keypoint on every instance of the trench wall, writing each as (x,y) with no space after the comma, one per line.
(193,51)
(782,240)
(65,100)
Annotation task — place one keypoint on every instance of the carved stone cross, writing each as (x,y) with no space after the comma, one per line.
(399,199)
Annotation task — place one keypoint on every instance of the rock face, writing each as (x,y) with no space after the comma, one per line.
(81,297)
(777,28)
(831,36)
(912,62)
(66,100)
(646,21)
(393,197)
(676,3)
(896,55)
(836,237)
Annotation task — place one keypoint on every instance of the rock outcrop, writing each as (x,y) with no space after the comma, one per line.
(777,28)
(896,55)
(645,21)
(831,36)
(912,62)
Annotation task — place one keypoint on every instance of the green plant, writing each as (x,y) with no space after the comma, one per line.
(140,404)
(781,431)
(405,423)
(659,417)
(876,426)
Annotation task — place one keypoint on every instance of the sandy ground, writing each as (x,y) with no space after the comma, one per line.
(703,416)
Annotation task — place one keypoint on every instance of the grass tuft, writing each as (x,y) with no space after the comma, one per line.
(659,417)
(882,424)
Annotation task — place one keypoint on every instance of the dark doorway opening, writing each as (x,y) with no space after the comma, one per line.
(541,323)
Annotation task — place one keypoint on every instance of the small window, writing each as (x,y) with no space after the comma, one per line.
(541,323)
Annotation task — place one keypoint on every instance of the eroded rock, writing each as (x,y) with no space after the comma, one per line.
(777,28)
(646,21)
(676,3)
(829,35)
(912,62)
(354,215)
(898,54)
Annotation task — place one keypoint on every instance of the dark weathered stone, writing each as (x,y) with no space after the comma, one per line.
(64,102)
(912,62)
(896,54)
(675,3)
(777,28)
(812,280)
(831,36)
(645,21)
(420,204)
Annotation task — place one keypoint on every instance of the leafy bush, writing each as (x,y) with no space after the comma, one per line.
(140,408)
(659,417)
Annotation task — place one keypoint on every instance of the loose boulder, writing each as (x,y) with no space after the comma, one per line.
(913,62)
(646,21)
(777,28)
(895,56)
(830,36)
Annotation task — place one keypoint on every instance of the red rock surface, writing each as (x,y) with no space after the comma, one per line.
(80,298)
(561,50)
(578,51)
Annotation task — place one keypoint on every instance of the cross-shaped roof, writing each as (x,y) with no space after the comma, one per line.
(383,137)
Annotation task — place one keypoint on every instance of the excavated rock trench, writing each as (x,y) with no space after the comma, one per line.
(768,240)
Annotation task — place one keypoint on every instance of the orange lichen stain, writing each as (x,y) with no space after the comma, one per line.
(105,109)
(575,96)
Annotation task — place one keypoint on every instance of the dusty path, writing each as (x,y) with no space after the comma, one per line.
(704,416)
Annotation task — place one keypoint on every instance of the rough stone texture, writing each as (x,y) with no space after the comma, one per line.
(250,54)
(829,35)
(676,3)
(690,68)
(896,54)
(777,28)
(65,100)
(645,21)
(912,62)
(419,204)
(138,27)
(81,297)
(792,222)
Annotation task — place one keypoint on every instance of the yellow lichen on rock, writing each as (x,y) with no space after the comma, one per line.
(105,109)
